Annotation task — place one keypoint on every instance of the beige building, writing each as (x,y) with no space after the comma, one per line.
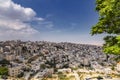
(1,50)
(10,57)
(118,66)
(65,70)
(14,71)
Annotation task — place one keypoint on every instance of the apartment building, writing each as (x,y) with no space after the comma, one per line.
(14,71)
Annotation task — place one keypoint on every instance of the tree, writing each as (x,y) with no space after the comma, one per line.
(4,62)
(109,23)
(3,71)
(42,66)
(20,75)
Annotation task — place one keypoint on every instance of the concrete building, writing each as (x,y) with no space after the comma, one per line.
(10,57)
(118,66)
(14,71)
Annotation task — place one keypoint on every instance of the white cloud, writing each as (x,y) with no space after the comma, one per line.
(46,25)
(10,10)
(14,20)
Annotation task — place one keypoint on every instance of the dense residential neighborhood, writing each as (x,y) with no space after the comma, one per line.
(59,39)
(28,60)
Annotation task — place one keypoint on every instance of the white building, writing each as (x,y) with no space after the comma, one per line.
(118,66)
(65,70)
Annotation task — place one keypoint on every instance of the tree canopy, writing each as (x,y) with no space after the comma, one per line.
(4,62)
(3,71)
(109,23)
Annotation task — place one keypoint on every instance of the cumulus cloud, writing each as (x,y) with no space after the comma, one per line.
(15,19)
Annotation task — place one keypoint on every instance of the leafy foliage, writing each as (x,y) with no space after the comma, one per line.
(4,62)
(42,66)
(3,71)
(109,23)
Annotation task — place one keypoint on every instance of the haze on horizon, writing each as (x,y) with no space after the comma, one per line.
(49,20)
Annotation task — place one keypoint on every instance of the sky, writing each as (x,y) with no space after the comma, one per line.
(49,20)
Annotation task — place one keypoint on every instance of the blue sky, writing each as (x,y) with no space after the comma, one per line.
(58,20)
